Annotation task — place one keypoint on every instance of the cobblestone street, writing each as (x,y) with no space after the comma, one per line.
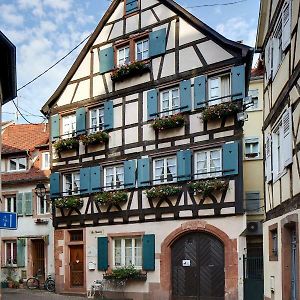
(25,294)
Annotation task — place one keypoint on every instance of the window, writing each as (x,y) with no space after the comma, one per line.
(10,248)
(142,50)
(123,56)
(277,149)
(76,235)
(254,94)
(71,183)
(69,126)
(17,164)
(11,204)
(45,160)
(208,163)
(170,102)
(251,147)
(96,119)
(127,252)
(114,177)
(277,47)
(165,170)
(131,6)
(273,242)
(253,203)
(43,205)
(219,87)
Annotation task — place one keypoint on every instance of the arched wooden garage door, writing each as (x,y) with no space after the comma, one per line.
(198,268)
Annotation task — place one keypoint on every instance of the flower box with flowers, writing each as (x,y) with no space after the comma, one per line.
(125,273)
(163,191)
(129,70)
(68,202)
(220,111)
(168,122)
(96,138)
(68,144)
(206,187)
(111,198)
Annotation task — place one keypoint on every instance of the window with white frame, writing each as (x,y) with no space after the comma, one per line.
(96,119)
(219,87)
(142,49)
(114,177)
(69,126)
(11,204)
(252,147)
(170,101)
(43,205)
(17,164)
(123,57)
(165,170)
(45,160)
(10,253)
(254,94)
(208,163)
(71,183)
(127,252)
(277,150)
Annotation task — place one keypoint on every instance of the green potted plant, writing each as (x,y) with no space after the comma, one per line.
(111,198)
(163,191)
(4,284)
(219,111)
(66,145)
(68,202)
(125,273)
(129,70)
(206,187)
(169,122)
(96,138)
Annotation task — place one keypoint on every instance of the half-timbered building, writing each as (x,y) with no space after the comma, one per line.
(147,157)
(279,39)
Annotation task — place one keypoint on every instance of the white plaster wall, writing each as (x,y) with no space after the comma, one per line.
(188,60)
(98,86)
(132,81)
(169,65)
(131,113)
(103,35)
(118,13)
(132,23)
(148,3)
(171,39)
(187,33)
(67,95)
(163,12)
(117,30)
(147,18)
(83,91)
(84,68)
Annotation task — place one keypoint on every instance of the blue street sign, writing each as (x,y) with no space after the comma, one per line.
(8,220)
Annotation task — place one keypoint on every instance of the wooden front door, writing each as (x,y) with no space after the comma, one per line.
(198,268)
(38,258)
(76,266)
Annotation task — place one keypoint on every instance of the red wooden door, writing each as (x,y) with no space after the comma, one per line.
(76,266)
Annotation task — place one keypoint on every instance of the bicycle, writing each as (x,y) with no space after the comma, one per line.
(34,283)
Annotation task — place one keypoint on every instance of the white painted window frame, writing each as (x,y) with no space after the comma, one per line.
(99,114)
(45,162)
(251,141)
(11,252)
(221,92)
(171,102)
(144,52)
(39,209)
(208,163)
(165,165)
(75,177)
(122,57)
(13,204)
(17,164)
(133,251)
(68,126)
(114,168)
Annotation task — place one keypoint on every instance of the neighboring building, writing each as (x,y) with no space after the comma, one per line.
(186,244)
(253,164)
(25,163)
(279,39)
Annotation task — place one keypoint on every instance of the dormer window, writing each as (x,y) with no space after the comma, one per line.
(142,49)
(17,164)
(123,56)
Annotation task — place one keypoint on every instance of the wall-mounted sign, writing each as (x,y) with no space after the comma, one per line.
(186,263)
(92,266)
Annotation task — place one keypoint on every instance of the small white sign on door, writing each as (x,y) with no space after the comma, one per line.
(186,263)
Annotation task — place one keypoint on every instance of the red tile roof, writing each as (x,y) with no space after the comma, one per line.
(258,70)
(24,137)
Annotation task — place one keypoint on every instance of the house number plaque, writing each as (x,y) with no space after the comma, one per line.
(186,263)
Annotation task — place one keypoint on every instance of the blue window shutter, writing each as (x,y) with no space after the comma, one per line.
(131,6)
(149,252)
(238,82)
(102,253)
(143,172)
(231,159)
(20,197)
(55,127)
(184,165)
(21,244)
(129,172)
(107,60)
(28,204)
(85,181)
(96,179)
(152,104)
(54,185)
(80,120)
(185,95)
(108,115)
(157,42)
(200,92)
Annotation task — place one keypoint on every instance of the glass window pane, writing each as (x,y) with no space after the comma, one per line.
(22,163)
(13,164)
(128,252)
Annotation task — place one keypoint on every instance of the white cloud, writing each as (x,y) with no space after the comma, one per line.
(9,16)
(59,4)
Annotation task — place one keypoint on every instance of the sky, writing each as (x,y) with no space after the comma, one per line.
(46,30)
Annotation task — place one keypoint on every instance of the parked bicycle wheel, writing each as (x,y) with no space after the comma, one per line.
(50,285)
(32,283)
